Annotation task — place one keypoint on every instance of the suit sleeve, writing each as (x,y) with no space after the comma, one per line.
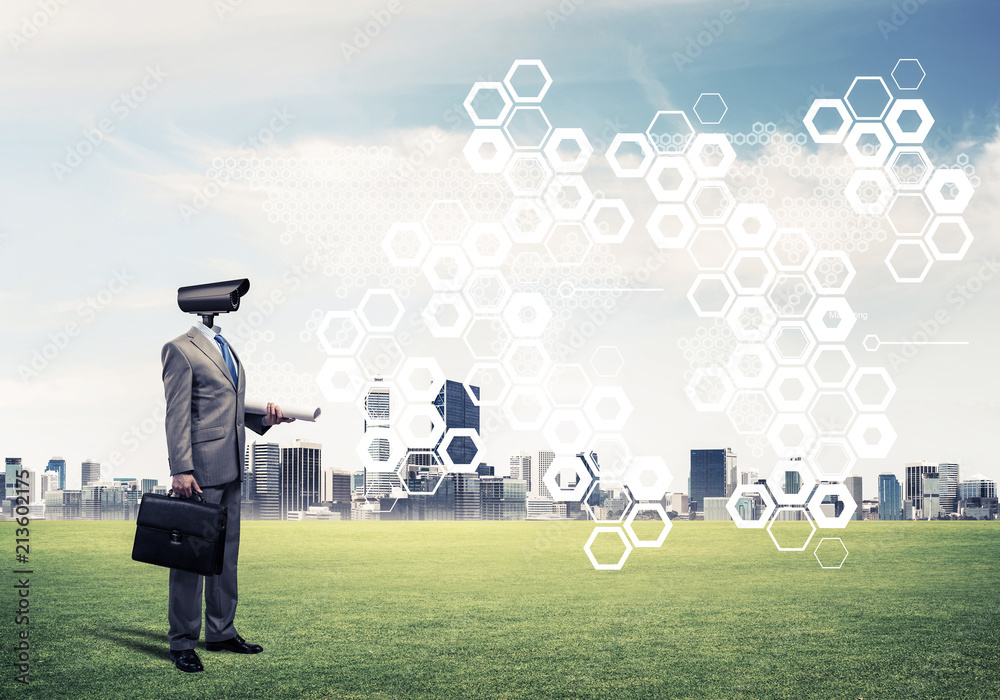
(177,381)
(255,422)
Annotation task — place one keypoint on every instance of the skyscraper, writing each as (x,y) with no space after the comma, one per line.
(58,465)
(12,465)
(545,459)
(913,485)
(378,410)
(300,476)
(90,472)
(712,473)
(264,462)
(467,496)
(948,474)
(930,504)
(890,497)
(520,468)
(977,486)
(853,484)
(456,406)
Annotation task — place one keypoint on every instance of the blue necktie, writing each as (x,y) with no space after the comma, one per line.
(228,357)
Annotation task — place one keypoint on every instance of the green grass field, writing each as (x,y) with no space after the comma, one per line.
(515,610)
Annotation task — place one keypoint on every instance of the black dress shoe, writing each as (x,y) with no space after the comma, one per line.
(236,644)
(186,660)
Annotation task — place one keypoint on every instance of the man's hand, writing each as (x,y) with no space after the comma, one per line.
(274,416)
(183,484)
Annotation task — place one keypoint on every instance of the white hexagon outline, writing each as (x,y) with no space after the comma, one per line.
(831,304)
(596,484)
(820,382)
(785,420)
(395,356)
(479,229)
(905,150)
(927,256)
(754,429)
(701,373)
(960,221)
(758,333)
(687,225)
(456,301)
(480,121)
(411,227)
(909,195)
(515,391)
(340,365)
(449,436)
(404,424)
(877,177)
(634,511)
(349,316)
(884,87)
(434,256)
(675,162)
(825,430)
(923,74)
(652,141)
(829,440)
(488,402)
(711,171)
(523,342)
(769,275)
(782,325)
(768,365)
(822,519)
(593,559)
(501,146)
(700,187)
(955,177)
(375,327)
(862,424)
(397,450)
(417,394)
(562,366)
(528,62)
(705,277)
(585,239)
(775,519)
(639,140)
(551,197)
(725,108)
(808,481)
(446,241)
(617,352)
(814,108)
(640,464)
(551,149)
(747,210)
(844,258)
(909,105)
(513,141)
(598,394)
(565,461)
(482,273)
(709,231)
(824,539)
(490,354)
(559,417)
(437,484)
(542,163)
(859,376)
(516,208)
(803,236)
(591,220)
(876,160)
(786,405)
(769,506)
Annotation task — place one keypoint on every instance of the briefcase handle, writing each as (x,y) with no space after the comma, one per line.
(196,493)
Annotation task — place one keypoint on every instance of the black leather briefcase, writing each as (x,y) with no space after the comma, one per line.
(180,533)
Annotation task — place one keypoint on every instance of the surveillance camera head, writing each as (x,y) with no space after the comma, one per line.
(208,300)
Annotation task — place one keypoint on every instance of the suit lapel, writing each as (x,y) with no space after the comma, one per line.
(215,355)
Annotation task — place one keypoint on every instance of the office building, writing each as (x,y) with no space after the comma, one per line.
(456,405)
(913,484)
(58,465)
(501,498)
(545,459)
(48,481)
(977,486)
(467,497)
(300,476)
(747,478)
(890,497)
(679,503)
(853,484)
(712,474)
(715,508)
(148,485)
(62,504)
(520,468)
(12,466)
(930,504)
(90,472)
(948,475)
(336,492)
(264,464)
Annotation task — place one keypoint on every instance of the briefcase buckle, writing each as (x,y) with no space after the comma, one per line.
(175,537)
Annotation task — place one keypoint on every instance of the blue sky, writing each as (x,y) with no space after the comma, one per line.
(221,80)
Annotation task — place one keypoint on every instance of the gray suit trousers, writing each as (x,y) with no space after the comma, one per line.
(184,611)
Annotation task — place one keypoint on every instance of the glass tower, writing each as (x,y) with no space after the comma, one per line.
(890,497)
(58,465)
(712,472)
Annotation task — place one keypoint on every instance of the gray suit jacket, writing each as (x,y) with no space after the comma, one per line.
(205,415)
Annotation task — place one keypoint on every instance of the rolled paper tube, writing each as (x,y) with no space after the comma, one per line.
(296,412)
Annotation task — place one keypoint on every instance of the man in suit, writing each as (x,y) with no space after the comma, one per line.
(204,383)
